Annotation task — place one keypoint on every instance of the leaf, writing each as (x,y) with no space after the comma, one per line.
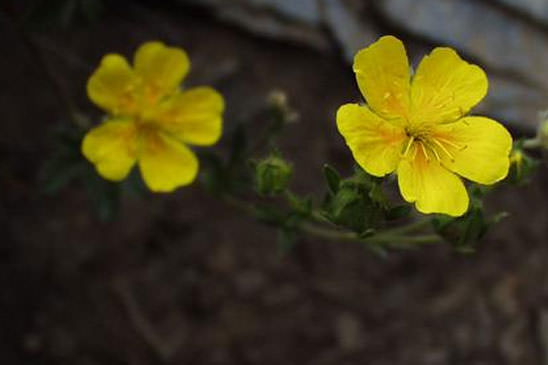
(213,173)
(238,145)
(287,238)
(332,177)
(61,177)
(301,205)
(465,232)
(104,195)
(398,212)
(350,208)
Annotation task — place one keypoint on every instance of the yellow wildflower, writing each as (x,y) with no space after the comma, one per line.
(418,126)
(151,120)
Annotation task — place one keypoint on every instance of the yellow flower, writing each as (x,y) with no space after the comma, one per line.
(151,120)
(418,126)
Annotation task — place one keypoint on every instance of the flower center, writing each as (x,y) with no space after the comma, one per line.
(432,146)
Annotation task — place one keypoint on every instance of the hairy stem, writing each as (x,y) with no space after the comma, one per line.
(396,237)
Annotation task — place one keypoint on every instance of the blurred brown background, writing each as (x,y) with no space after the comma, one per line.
(183,279)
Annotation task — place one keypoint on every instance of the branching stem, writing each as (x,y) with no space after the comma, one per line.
(395,237)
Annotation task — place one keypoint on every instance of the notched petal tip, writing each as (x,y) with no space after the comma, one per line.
(384,42)
(165,163)
(445,88)
(375,143)
(111,84)
(383,74)
(431,187)
(111,147)
(162,68)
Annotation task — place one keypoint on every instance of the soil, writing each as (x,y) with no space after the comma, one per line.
(184,279)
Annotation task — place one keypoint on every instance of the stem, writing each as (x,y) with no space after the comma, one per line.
(532,143)
(411,227)
(331,234)
(396,237)
(383,238)
(240,204)
(401,241)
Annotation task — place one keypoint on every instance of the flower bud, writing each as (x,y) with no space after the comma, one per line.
(272,175)
(277,100)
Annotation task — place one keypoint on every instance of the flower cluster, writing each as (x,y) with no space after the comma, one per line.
(416,126)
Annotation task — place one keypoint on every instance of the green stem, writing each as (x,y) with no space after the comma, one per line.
(402,241)
(328,233)
(383,238)
(532,143)
(396,237)
(411,227)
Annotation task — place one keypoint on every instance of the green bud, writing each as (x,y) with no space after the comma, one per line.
(522,166)
(272,175)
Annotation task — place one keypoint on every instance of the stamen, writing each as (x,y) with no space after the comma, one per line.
(424,152)
(444,149)
(435,153)
(411,139)
(451,143)
(432,148)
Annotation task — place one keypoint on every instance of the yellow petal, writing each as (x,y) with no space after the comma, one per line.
(165,163)
(193,116)
(111,147)
(445,88)
(433,188)
(375,144)
(382,72)
(112,86)
(477,148)
(161,68)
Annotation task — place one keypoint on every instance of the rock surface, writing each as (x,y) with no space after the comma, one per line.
(513,51)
